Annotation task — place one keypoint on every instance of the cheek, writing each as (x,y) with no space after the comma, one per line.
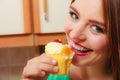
(98,43)
(67,27)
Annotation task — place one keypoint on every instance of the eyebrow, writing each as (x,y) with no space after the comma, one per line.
(97,22)
(71,7)
(93,21)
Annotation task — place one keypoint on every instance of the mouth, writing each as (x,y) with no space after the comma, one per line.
(79,49)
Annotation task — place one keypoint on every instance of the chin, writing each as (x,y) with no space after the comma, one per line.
(87,60)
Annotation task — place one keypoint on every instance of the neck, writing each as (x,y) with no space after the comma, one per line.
(95,72)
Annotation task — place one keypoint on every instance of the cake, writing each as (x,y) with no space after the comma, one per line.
(62,53)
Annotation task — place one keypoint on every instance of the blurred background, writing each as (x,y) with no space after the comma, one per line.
(12,61)
(25,27)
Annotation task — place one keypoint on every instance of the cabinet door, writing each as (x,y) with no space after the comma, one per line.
(50,15)
(15,17)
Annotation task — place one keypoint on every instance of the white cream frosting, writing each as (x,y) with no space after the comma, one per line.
(58,48)
(53,48)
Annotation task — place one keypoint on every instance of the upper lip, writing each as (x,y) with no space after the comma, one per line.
(78,46)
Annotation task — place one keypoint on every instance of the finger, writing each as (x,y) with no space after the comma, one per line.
(38,70)
(28,79)
(48,68)
(42,59)
(34,78)
(32,71)
(47,59)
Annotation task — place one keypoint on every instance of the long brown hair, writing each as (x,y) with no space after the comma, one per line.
(112,18)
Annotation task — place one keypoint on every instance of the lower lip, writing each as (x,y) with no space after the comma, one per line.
(80,53)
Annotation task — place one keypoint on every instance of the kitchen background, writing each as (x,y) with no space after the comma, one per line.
(25,27)
(12,61)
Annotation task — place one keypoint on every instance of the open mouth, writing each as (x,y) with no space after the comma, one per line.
(80,50)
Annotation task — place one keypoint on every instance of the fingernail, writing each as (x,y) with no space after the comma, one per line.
(42,74)
(54,62)
(55,69)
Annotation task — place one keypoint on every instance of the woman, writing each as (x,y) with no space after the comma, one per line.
(92,30)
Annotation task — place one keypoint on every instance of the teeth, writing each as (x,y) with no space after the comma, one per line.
(82,49)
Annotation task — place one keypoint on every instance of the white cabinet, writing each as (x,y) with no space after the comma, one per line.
(14,17)
(15,23)
(23,22)
(51,15)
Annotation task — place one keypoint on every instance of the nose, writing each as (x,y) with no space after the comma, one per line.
(78,32)
(77,35)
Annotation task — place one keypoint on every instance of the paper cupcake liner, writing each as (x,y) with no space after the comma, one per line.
(58,77)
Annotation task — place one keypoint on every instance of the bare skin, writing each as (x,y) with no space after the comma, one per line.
(39,67)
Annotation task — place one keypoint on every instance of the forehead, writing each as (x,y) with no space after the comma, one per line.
(97,2)
(89,8)
(94,5)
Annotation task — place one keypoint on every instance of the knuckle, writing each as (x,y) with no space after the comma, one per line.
(28,62)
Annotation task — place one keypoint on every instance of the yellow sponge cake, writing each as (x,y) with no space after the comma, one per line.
(62,53)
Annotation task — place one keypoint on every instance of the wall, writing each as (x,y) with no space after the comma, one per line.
(12,61)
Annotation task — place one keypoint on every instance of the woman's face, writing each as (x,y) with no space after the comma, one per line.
(85,30)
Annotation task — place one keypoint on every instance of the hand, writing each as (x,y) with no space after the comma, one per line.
(39,67)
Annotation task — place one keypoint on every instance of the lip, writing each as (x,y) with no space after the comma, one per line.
(78,53)
(76,43)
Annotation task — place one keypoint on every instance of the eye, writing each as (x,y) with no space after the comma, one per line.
(73,15)
(97,29)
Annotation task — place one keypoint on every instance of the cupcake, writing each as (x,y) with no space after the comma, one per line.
(63,54)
